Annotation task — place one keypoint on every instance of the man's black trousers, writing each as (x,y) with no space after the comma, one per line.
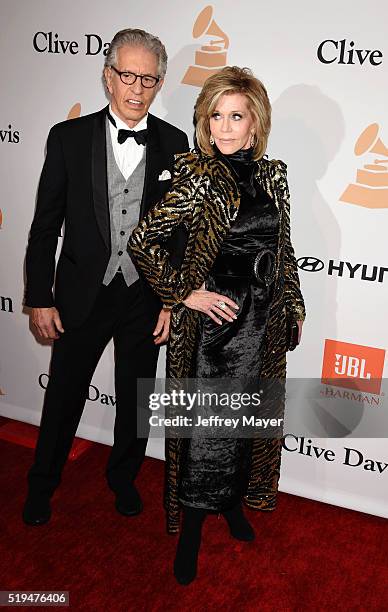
(119,313)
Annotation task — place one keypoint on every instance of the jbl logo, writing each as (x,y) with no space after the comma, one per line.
(350,366)
(353,366)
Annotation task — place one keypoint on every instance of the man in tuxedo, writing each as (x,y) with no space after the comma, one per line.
(101,174)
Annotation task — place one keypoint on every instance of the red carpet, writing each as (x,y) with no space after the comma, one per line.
(307,556)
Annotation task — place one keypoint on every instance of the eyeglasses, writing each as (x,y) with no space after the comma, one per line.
(128,78)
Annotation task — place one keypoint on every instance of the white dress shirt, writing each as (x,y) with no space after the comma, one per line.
(128,154)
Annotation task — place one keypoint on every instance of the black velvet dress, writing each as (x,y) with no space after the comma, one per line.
(215,470)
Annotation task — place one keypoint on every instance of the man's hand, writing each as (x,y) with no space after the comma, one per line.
(47,322)
(162,328)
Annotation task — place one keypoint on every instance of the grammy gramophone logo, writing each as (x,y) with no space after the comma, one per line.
(371,187)
(75,111)
(211,56)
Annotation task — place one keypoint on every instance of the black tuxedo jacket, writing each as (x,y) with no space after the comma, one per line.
(73,188)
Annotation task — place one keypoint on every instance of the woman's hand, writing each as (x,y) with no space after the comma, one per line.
(213,304)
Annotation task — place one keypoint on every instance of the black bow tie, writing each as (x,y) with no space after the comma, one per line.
(140,136)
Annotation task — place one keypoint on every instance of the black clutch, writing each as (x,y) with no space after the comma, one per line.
(292,332)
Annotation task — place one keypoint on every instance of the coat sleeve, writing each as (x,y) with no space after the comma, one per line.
(293,296)
(46,226)
(146,244)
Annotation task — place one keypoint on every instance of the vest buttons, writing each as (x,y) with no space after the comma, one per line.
(124,212)
(126,190)
(120,253)
(122,233)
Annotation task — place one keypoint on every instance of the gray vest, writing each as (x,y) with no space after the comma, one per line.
(124,210)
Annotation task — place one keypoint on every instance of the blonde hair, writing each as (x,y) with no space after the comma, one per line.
(231,80)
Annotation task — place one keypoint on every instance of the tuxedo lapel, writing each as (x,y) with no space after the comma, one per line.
(156,158)
(99,177)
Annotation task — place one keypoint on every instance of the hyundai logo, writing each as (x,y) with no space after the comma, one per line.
(310,264)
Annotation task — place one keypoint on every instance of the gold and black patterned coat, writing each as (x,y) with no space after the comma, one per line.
(205,199)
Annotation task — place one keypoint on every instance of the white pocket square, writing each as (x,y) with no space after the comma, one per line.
(164,176)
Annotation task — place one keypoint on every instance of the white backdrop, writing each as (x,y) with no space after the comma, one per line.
(321,107)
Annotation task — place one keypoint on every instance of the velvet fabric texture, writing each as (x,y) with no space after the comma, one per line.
(215,472)
(204,198)
(243,167)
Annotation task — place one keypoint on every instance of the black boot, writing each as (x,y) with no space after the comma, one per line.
(185,564)
(239,526)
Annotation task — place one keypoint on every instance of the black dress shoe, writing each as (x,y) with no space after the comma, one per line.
(129,502)
(36,511)
(239,526)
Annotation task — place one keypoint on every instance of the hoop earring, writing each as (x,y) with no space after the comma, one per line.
(211,140)
(252,143)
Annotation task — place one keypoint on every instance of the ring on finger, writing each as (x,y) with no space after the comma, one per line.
(221,305)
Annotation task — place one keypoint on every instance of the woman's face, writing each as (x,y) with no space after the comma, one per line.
(231,123)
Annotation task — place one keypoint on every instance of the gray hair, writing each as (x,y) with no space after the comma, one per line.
(138,38)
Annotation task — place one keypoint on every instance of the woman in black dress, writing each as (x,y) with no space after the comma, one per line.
(237,289)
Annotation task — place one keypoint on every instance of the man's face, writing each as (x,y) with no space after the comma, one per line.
(131,102)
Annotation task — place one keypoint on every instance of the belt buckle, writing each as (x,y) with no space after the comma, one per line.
(267,275)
